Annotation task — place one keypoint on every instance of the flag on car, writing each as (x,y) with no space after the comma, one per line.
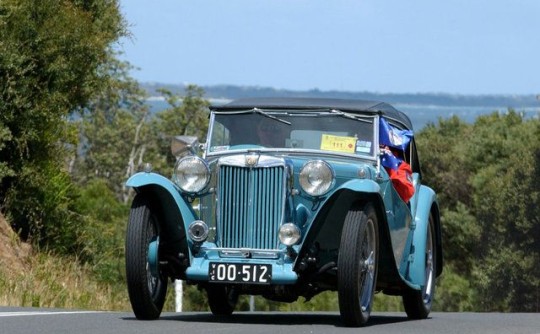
(393,137)
(388,160)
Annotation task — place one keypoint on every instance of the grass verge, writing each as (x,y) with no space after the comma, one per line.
(58,282)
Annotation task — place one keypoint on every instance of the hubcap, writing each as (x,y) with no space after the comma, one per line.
(152,264)
(153,256)
(369,265)
(367,279)
(428,287)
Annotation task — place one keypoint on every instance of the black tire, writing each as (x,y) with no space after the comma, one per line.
(358,265)
(418,303)
(222,299)
(146,291)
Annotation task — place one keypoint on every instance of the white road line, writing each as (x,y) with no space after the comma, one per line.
(22,314)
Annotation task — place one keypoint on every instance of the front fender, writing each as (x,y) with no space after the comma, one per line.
(361,185)
(335,206)
(326,222)
(427,202)
(326,228)
(174,211)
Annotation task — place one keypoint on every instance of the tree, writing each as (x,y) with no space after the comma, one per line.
(50,55)
(114,131)
(103,220)
(441,151)
(119,135)
(505,200)
(188,115)
(486,176)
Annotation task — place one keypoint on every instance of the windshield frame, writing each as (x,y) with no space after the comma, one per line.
(275,115)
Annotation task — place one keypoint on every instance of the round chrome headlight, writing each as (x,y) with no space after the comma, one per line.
(289,234)
(191,174)
(316,177)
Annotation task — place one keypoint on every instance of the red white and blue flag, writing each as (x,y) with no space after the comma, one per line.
(393,137)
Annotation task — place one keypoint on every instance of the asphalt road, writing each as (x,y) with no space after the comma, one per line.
(24,320)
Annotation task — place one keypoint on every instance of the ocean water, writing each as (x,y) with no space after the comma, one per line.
(420,114)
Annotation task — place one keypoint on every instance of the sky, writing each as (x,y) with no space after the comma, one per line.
(380,46)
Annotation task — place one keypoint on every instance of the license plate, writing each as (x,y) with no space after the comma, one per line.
(240,273)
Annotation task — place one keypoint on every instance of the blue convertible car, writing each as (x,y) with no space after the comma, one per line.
(288,198)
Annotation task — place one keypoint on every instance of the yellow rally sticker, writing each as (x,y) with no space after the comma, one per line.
(338,143)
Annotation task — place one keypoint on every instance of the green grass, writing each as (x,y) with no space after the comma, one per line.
(59,282)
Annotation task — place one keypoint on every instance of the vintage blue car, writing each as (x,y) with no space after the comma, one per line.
(287,198)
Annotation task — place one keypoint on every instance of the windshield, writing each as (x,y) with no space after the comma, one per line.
(326,131)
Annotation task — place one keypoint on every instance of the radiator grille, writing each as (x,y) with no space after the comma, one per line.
(251,204)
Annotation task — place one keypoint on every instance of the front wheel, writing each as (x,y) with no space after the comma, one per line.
(418,303)
(357,265)
(147,286)
(222,299)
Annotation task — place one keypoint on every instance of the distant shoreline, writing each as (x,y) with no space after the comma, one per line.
(420,115)
(230,92)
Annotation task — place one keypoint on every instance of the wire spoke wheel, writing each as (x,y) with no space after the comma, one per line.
(357,265)
(147,286)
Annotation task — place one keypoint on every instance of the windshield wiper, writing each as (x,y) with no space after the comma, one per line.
(344,114)
(359,118)
(265,114)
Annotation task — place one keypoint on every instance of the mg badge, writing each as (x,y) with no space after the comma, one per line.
(252,160)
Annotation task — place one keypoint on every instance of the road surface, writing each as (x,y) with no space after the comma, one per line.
(27,320)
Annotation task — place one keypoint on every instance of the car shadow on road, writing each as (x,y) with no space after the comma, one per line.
(276,318)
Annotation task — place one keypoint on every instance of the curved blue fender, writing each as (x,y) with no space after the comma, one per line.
(342,198)
(361,185)
(158,186)
(364,186)
(426,199)
(345,193)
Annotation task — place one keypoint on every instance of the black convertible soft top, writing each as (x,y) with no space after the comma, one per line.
(351,106)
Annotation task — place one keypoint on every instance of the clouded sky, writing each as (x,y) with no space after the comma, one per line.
(384,46)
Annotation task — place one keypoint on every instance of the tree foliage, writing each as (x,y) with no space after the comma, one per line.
(102,217)
(187,115)
(119,135)
(487,178)
(50,55)
(113,131)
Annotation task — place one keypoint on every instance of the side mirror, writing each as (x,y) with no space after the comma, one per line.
(180,145)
